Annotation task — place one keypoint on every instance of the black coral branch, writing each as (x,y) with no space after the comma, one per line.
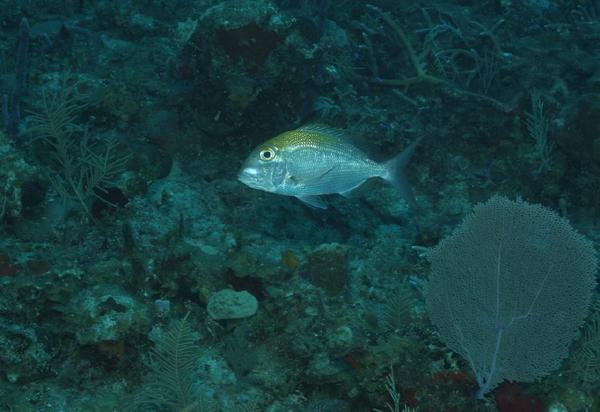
(171,381)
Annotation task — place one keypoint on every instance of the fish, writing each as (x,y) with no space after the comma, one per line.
(315,160)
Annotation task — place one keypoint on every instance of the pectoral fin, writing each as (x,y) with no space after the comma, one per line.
(313,201)
(312,178)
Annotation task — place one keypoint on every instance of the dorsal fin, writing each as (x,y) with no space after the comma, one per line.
(324,129)
(341,135)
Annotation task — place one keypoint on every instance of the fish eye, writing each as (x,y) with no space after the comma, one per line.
(267,154)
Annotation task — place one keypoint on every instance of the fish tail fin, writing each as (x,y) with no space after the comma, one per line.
(396,173)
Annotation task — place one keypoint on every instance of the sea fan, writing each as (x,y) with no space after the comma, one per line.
(170,384)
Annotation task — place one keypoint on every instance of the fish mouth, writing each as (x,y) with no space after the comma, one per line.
(255,179)
(249,176)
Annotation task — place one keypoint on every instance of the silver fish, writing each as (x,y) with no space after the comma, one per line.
(316,160)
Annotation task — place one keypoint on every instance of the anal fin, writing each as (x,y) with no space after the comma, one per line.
(313,201)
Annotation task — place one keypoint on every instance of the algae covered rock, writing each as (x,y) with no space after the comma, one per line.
(249,60)
(230,304)
(106,313)
(23,355)
(323,369)
(327,267)
(14,172)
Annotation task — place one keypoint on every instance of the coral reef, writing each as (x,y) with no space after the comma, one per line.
(126,239)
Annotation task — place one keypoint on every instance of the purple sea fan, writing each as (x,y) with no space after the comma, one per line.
(509,289)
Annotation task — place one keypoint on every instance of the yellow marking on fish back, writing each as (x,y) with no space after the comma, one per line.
(303,138)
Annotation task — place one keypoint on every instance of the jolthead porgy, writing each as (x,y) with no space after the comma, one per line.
(316,160)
